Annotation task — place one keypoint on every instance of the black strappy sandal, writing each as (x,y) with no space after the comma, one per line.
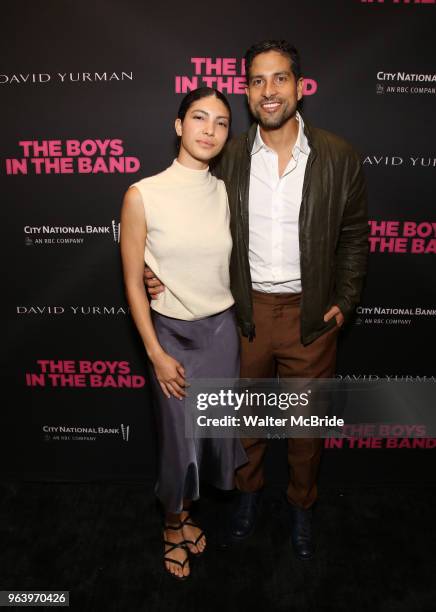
(188,521)
(173,546)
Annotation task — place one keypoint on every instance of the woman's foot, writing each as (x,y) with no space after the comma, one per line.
(176,553)
(192,534)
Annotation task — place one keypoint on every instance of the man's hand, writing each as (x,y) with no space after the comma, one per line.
(153,284)
(334,312)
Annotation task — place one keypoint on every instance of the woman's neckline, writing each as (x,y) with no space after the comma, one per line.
(189,175)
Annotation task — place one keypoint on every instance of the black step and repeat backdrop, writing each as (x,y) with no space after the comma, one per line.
(89,95)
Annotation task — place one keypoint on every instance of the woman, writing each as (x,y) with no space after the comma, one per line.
(177,222)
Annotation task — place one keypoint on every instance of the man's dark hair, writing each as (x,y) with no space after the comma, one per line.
(281,46)
(197,94)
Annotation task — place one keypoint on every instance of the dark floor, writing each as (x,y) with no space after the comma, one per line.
(101,541)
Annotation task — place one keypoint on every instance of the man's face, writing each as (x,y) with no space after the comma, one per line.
(272,90)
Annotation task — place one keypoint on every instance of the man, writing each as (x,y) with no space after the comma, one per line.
(300,241)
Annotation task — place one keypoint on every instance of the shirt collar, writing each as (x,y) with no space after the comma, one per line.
(301,144)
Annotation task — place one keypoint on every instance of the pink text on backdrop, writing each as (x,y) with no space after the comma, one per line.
(68,373)
(398,1)
(88,156)
(414,237)
(378,443)
(227,74)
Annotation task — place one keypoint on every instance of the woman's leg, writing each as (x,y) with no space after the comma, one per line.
(192,533)
(207,348)
(173,534)
(178,468)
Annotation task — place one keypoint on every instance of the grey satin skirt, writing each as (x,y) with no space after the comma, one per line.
(207,348)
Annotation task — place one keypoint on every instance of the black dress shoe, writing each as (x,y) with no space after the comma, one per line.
(301,532)
(244,518)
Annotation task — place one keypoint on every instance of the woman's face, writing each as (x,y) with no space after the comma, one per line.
(204,129)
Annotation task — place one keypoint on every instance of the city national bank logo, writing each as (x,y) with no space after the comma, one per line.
(405,83)
(392,315)
(227,74)
(77,433)
(43,78)
(56,235)
(89,156)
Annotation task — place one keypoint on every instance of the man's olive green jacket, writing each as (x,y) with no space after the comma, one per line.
(333,229)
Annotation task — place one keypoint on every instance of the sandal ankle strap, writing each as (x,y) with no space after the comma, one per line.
(173,527)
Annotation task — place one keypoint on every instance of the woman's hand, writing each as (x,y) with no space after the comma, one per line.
(170,374)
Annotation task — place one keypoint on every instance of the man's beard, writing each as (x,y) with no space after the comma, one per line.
(276,122)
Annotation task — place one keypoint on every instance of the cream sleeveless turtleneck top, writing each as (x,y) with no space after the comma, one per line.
(188,242)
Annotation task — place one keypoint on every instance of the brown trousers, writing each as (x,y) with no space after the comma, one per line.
(277,350)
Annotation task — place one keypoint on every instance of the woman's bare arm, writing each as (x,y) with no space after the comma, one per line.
(169,371)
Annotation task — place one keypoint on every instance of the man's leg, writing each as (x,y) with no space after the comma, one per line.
(256,362)
(294,360)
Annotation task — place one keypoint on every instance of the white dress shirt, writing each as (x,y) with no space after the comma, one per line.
(274,207)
